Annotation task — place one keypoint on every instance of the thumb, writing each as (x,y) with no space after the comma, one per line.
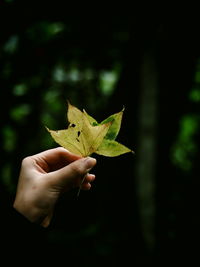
(72,173)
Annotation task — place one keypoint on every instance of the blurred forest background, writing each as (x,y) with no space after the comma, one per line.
(142,209)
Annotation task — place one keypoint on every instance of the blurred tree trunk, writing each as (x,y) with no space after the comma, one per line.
(146,151)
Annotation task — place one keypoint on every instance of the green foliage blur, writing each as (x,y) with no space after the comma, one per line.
(99,61)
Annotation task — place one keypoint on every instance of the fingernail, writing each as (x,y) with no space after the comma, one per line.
(89,163)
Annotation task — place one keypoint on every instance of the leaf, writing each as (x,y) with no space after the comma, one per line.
(80,137)
(85,135)
(111,148)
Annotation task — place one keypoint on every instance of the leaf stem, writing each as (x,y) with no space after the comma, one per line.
(79,190)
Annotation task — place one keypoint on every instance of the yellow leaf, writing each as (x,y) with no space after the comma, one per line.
(111,148)
(80,137)
(85,136)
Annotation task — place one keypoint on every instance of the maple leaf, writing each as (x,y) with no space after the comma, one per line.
(85,136)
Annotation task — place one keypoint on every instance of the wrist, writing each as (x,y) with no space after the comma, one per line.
(30,213)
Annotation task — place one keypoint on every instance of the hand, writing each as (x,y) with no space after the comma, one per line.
(44,177)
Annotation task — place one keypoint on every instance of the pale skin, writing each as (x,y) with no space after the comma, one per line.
(44,177)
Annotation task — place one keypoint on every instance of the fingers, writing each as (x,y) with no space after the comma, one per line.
(53,159)
(72,174)
(86,185)
(56,153)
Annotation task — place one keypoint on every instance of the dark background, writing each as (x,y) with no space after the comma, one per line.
(142,209)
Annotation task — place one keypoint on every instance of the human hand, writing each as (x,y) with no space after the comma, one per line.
(44,177)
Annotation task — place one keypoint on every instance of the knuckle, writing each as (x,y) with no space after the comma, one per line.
(26,160)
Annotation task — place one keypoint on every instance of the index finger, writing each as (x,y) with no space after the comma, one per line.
(55,158)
